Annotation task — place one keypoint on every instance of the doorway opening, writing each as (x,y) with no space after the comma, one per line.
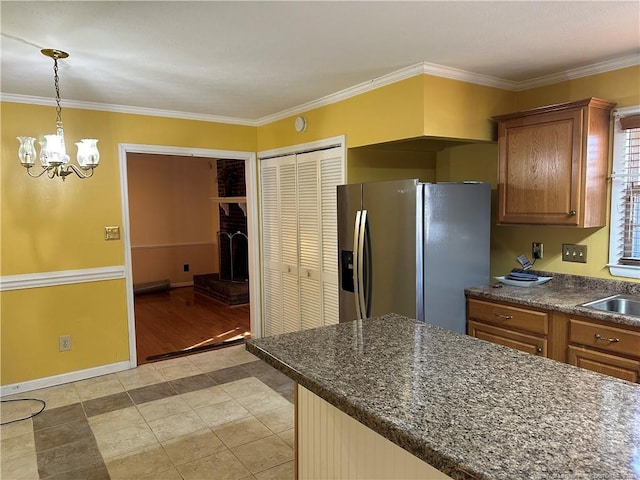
(230,283)
(177,209)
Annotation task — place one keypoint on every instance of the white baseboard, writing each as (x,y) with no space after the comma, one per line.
(63,378)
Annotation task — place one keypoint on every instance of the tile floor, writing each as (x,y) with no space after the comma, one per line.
(221,414)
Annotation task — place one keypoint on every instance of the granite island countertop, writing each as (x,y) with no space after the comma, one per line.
(563,293)
(469,408)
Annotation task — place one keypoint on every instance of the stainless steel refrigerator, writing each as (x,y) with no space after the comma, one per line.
(412,248)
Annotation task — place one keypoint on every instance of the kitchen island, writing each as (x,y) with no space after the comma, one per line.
(468,408)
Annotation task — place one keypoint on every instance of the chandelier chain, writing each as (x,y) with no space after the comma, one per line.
(56,80)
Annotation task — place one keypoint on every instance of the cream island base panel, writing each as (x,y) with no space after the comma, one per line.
(331,444)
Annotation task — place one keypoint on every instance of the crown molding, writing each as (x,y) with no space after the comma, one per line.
(105,107)
(360,88)
(422,68)
(594,69)
(469,77)
(384,80)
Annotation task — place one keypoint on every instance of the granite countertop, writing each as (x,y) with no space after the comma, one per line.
(563,293)
(469,408)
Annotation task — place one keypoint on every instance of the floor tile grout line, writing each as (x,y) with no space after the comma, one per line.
(244,367)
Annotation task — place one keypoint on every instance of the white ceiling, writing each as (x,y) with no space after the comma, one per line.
(251,61)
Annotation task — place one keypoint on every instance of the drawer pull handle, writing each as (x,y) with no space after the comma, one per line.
(610,340)
(502,315)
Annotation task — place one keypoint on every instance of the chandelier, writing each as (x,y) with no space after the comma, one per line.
(53,155)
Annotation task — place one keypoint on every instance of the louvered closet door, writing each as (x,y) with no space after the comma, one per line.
(332,174)
(271,272)
(274,284)
(318,175)
(289,237)
(310,240)
(299,240)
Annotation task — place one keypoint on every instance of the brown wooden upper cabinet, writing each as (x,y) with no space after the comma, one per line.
(553,164)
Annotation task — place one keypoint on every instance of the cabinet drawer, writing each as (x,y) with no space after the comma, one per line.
(611,339)
(520,341)
(606,363)
(508,316)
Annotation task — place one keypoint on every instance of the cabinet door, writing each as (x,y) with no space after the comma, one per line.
(331,175)
(520,341)
(604,337)
(279,245)
(600,362)
(319,173)
(509,316)
(310,241)
(540,168)
(271,273)
(288,193)
(299,239)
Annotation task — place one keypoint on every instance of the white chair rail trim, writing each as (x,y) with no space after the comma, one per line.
(61,277)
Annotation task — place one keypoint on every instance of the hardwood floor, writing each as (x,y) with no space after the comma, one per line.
(180,319)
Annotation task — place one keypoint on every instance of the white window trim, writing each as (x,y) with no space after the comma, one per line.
(629,271)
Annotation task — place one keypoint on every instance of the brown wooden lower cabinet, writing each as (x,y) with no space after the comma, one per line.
(509,338)
(524,329)
(614,365)
(605,348)
(611,349)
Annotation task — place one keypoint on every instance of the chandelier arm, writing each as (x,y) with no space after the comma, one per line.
(42,172)
(80,173)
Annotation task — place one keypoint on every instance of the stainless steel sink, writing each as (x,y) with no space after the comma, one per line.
(624,304)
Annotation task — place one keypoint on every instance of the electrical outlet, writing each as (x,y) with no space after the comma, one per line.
(64,343)
(536,250)
(185,267)
(574,253)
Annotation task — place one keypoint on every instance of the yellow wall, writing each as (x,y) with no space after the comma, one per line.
(455,109)
(422,105)
(373,165)
(51,225)
(620,86)
(94,314)
(388,113)
(479,162)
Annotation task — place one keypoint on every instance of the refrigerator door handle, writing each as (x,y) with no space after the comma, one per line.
(356,263)
(367,261)
(361,255)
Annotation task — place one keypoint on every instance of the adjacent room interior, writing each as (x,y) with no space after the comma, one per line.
(189,250)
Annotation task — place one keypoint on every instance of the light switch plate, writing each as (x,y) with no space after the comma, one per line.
(112,233)
(574,253)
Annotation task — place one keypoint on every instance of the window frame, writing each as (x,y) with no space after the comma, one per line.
(616,217)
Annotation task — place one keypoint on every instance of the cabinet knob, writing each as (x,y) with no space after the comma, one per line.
(572,213)
(538,349)
(597,336)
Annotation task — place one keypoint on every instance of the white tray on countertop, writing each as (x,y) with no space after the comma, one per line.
(520,283)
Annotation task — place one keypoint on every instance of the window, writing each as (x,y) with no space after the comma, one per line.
(624,239)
